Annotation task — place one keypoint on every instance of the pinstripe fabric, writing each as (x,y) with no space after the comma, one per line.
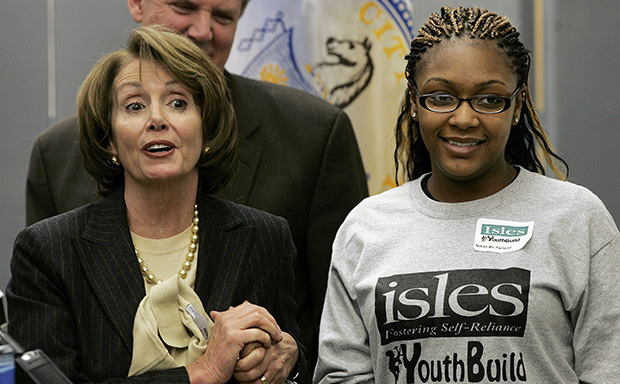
(76,284)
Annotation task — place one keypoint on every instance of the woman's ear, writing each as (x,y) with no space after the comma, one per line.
(519,100)
(112,148)
(414,105)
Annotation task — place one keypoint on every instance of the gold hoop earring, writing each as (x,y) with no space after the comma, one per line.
(115,161)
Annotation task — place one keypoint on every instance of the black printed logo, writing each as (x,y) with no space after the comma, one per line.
(457,303)
(474,365)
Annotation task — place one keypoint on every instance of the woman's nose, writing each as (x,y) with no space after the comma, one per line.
(154,127)
(158,121)
(464,117)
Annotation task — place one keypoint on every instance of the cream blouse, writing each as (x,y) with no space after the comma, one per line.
(165,257)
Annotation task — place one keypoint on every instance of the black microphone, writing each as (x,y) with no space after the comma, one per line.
(31,367)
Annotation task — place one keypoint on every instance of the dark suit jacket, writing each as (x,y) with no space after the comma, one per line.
(76,282)
(299,160)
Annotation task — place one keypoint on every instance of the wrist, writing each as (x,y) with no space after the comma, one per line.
(200,374)
(294,373)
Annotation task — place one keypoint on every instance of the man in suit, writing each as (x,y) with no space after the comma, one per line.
(299,156)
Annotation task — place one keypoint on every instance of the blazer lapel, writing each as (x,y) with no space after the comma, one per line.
(249,154)
(222,254)
(107,255)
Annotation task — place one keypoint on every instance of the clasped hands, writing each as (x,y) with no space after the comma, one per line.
(246,342)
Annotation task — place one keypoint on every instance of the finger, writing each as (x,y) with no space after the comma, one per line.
(261,318)
(249,315)
(250,356)
(249,348)
(270,367)
(248,307)
(214,314)
(268,315)
(277,379)
(253,375)
(282,357)
(257,334)
(229,340)
(240,337)
(272,377)
(252,360)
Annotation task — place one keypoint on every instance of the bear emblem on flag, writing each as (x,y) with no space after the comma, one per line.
(347,73)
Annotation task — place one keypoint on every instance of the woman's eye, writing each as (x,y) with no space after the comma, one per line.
(490,100)
(441,99)
(134,107)
(178,104)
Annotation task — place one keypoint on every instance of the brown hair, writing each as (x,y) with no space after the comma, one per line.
(526,138)
(193,69)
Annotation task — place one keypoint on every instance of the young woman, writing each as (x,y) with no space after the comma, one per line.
(479,268)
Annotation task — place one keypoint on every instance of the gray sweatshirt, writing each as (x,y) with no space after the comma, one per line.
(521,286)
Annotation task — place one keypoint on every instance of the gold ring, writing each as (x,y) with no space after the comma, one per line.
(263,380)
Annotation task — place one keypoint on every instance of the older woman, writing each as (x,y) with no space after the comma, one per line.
(123,286)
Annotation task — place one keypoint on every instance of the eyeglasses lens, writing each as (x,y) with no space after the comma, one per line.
(481,103)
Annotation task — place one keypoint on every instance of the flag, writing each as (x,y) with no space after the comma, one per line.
(347,52)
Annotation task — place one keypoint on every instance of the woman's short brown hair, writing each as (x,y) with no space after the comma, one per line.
(193,69)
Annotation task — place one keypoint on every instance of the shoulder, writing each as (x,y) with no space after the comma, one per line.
(561,193)
(64,222)
(262,229)
(387,201)
(228,214)
(288,118)
(572,205)
(64,132)
(54,233)
(253,215)
(380,209)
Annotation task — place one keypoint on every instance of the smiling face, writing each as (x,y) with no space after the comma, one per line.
(156,126)
(211,24)
(465,145)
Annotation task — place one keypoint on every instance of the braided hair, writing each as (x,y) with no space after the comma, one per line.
(521,148)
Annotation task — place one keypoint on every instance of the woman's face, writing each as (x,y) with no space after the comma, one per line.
(466,145)
(156,125)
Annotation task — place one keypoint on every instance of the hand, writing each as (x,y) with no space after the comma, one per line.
(232,330)
(274,362)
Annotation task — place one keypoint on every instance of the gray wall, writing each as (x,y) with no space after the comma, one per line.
(23,110)
(81,31)
(587,98)
(582,54)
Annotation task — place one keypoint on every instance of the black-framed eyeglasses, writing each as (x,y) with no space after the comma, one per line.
(445,102)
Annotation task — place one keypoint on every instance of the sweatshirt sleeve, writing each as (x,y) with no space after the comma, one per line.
(596,340)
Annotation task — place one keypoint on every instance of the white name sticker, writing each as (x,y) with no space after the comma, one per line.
(501,236)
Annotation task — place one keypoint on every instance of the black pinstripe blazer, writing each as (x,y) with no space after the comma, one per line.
(76,284)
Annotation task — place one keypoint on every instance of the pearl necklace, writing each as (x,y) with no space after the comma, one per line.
(191,255)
